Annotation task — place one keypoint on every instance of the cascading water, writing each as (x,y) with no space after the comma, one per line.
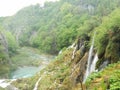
(37,83)
(92,69)
(73,55)
(105,63)
(90,61)
(6,83)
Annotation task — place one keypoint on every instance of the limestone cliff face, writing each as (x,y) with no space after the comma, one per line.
(79,63)
(79,69)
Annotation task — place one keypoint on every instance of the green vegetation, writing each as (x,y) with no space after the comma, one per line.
(56,26)
(4,71)
(52,76)
(27,56)
(107,37)
(26,84)
(1,88)
(12,45)
(7,49)
(109,78)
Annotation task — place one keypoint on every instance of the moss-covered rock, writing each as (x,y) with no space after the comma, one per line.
(113,47)
(79,69)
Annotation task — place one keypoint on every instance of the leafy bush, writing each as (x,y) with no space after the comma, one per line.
(115,80)
(12,44)
(108,78)
(93,76)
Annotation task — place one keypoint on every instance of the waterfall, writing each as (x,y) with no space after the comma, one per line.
(36,85)
(72,46)
(89,64)
(4,83)
(92,69)
(73,54)
(60,52)
(104,64)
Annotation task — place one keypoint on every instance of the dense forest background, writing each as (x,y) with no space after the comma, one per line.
(57,24)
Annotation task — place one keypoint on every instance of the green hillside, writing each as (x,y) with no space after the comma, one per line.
(76,31)
(57,24)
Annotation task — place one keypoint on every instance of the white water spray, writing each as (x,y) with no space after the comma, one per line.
(73,54)
(92,69)
(91,63)
(4,83)
(36,85)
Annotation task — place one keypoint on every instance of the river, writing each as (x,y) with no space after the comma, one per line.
(28,61)
(25,59)
(26,71)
